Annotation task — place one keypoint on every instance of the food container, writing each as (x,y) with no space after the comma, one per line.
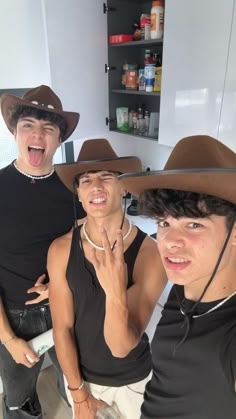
(116,39)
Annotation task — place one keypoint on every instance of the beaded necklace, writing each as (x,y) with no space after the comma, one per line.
(96,246)
(33,178)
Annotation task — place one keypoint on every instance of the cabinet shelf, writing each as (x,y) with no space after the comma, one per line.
(134,134)
(141,43)
(135,92)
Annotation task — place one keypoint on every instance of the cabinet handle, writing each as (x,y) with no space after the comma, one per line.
(108,68)
(108,9)
(109,120)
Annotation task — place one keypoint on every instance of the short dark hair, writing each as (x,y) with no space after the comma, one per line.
(78,176)
(161,203)
(22,111)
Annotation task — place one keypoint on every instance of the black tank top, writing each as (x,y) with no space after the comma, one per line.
(97,364)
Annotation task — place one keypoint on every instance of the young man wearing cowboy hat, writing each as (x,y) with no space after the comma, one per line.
(194,348)
(35,209)
(89,269)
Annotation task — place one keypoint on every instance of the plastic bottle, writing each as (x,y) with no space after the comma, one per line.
(157,19)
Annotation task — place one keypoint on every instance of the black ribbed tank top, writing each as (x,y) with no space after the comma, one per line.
(97,364)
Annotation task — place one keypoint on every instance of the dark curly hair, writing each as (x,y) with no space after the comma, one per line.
(161,203)
(22,111)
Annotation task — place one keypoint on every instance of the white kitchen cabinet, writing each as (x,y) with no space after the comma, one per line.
(227,127)
(195,56)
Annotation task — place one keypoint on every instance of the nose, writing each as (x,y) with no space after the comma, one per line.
(37,132)
(97,184)
(170,237)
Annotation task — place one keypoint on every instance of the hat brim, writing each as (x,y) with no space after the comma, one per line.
(8,101)
(67,172)
(217,182)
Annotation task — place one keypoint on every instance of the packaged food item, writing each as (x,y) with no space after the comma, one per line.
(157,80)
(149,74)
(145,26)
(122,117)
(157,19)
(120,38)
(141,79)
(131,78)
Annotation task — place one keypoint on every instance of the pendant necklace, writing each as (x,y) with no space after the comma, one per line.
(211,309)
(33,178)
(96,246)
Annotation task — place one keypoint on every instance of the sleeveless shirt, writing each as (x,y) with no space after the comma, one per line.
(97,364)
(197,381)
(32,215)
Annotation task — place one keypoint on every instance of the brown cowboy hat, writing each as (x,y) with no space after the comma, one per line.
(198,163)
(95,155)
(41,97)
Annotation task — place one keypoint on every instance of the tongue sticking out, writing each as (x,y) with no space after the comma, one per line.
(35,156)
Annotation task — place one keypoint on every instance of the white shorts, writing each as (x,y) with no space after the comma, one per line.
(126,400)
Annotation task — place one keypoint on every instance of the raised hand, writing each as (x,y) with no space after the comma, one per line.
(40,288)
(110,265)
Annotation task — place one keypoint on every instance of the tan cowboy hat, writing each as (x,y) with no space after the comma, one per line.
(198,163)
(41,97)
(95,155)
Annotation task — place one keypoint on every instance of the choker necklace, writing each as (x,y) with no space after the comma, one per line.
(33,178)
(213,308)
(101,247)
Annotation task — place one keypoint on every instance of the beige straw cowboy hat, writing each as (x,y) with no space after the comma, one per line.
(95,155)
(43,98)
(198,163)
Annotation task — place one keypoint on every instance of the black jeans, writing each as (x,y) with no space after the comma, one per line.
(20,399)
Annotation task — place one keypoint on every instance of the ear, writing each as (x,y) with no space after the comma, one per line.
(123,192)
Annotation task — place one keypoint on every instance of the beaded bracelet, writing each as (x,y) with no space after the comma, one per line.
(76,388)
(82,401)
(7,341)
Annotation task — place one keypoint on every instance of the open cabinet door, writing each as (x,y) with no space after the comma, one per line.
(77,48)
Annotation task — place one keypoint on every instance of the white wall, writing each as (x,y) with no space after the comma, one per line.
(23,45)
(195,61)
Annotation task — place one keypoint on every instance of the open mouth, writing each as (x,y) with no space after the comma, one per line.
(97,201)
(177,260)
(35,155)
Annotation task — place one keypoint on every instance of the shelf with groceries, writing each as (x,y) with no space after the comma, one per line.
(134,66)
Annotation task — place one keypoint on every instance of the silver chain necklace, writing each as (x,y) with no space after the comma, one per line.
(213,308)
(101,247)
(33,178)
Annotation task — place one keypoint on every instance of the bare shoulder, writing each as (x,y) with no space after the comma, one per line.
(61,244)
(148,261)
(149,245)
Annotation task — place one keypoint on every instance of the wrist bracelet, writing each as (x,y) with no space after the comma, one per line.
(82,401)
(6,341)
(76,388)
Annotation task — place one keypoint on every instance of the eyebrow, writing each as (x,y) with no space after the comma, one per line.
(29,119)
(106,174)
